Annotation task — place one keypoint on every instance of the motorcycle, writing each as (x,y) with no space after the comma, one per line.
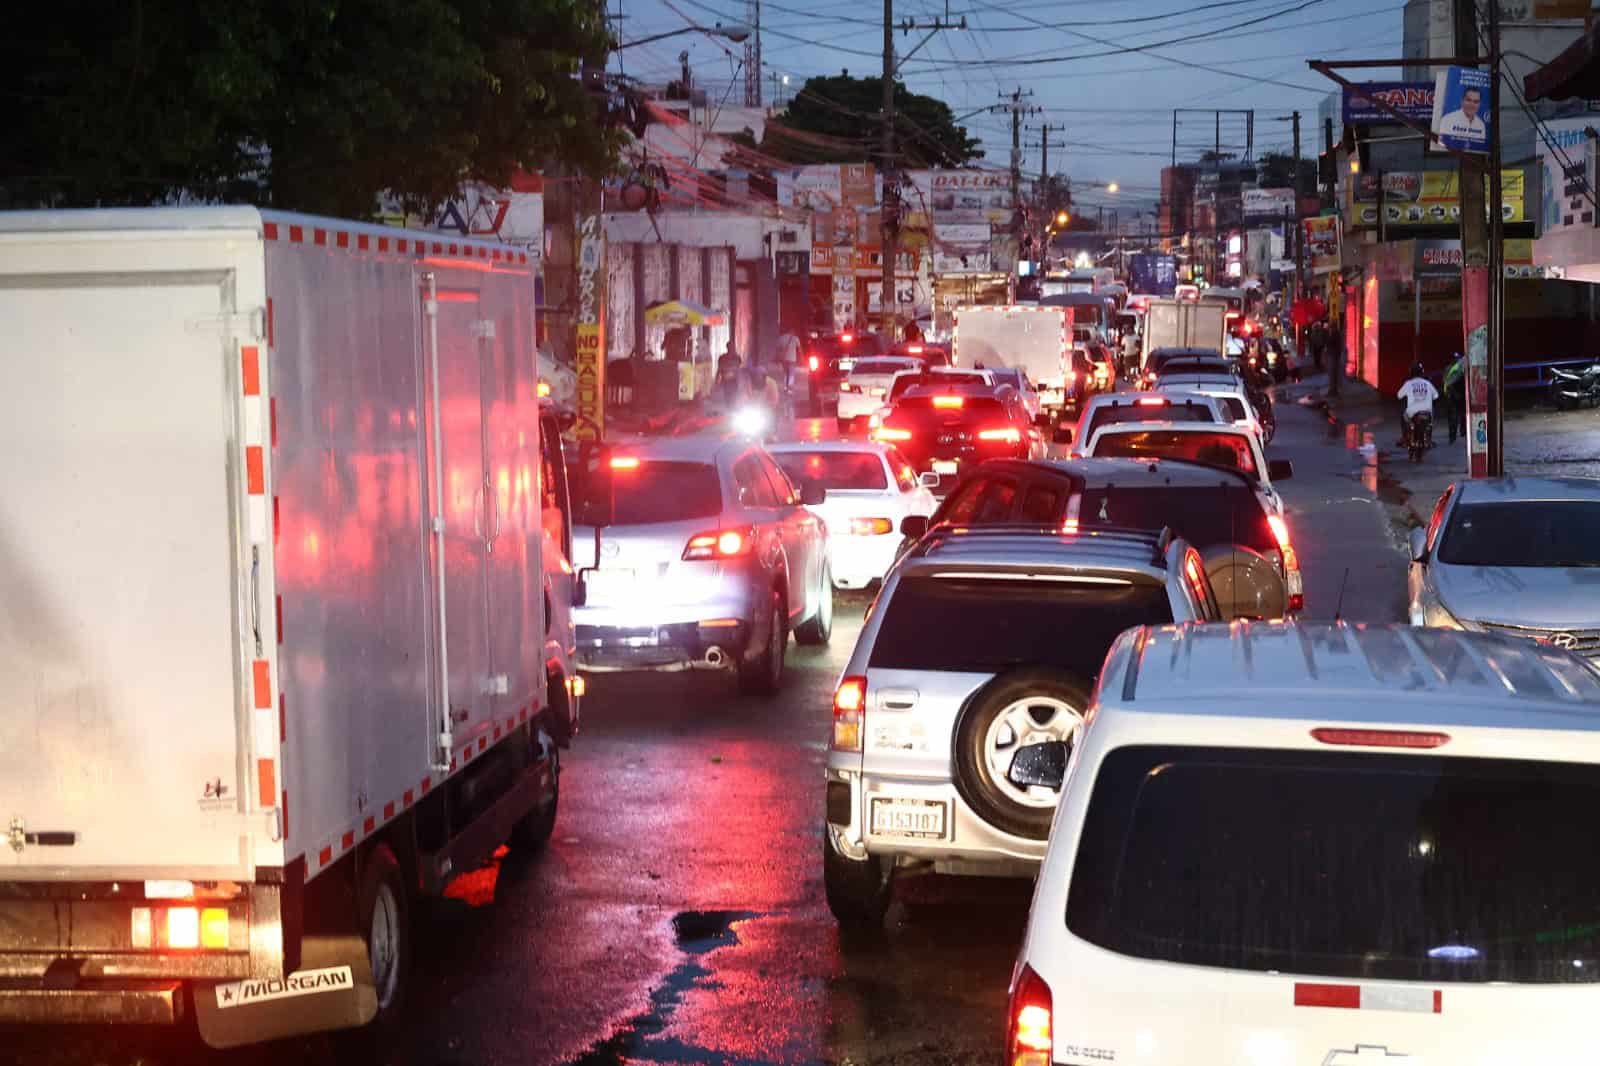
(1420,437)
(1571,389)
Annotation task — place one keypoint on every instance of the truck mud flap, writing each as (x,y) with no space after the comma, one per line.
(332,990)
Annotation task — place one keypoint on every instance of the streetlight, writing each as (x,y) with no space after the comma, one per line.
(1113,187)
(735,33)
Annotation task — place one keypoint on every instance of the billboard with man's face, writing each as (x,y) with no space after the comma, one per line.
(1461,109)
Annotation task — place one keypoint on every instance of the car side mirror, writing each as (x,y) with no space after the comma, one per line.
(1064,434)
(1279,470)
(812,493)
(580,590)
(928,479)
(914,525)
(1419,545)
(1039,765)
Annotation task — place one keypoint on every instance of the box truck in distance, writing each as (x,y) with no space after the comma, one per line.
(277,651)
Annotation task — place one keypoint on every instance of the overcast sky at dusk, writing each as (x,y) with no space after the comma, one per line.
(1112,112)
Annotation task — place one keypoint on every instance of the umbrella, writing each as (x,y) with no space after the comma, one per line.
(683,313)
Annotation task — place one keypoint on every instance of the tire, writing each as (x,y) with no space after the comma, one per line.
(858,892)
(816,630)
(534,829)
(763,676)
(386,929)
(1000,717)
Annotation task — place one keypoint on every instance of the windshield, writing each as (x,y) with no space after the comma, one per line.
(1401,867)
(1112,414)
(1218,449)
(1523,533)
(979,625)
(654,491)
(834,470)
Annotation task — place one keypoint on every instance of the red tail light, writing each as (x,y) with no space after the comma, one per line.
(890,433)
(1381,738)
(720,544)
(815,363)
(948,402)
(1294,583)
(914,349)
(624,462)
(849,701)
(1152,401)
(1030,1029)
(1007,434)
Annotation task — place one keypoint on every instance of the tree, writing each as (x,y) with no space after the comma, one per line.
(1276,171)
(837,120)
(314,105)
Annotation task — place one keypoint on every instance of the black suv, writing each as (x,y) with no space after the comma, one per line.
(1247,552)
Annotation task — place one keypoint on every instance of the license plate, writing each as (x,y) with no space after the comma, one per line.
(605,584)
(847,364)
(922,819)
(945,466)
(879,392)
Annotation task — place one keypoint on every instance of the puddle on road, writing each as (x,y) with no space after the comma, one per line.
(1362,440)
(639,1039)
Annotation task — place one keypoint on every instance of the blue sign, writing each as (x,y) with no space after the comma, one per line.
(1462,109)
(1413,99)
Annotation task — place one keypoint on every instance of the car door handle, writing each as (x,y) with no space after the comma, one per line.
(897,699)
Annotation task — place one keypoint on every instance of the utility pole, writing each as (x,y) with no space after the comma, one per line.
(752,55)
(1044,188)
(1476,312)
(888,303)
(1013,103)
(1497,263)
(1299,235)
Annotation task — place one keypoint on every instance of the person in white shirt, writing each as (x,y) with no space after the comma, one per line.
(1418,394)
(788,355)
(1465,123)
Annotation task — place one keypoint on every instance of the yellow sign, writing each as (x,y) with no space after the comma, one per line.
(1428,198)
(591,369)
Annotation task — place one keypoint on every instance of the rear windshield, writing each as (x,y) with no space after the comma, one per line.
(1339,864)
(1235,408)
(1218,449)
(879,366)
(978,625)
(1523,533)
(835,470)
(1173,367)
(953,380)
(652,492)
(1123,412)
(1203,515)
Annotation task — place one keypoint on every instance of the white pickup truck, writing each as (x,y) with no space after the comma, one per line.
(284,640)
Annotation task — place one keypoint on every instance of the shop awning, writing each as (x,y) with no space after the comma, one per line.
(683,313)
(1574,74)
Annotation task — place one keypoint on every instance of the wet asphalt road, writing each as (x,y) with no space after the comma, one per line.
(678,914)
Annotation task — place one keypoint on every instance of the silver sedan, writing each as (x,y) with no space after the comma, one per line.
(1512,555)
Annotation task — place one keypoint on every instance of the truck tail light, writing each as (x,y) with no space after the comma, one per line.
(889,433)
(814,363)
(870,527)
(720,544)
(214,928)
(1030,1029)
(849,701)
(183,927)
(1006,434)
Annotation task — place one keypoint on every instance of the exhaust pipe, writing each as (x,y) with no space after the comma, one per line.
(716,658)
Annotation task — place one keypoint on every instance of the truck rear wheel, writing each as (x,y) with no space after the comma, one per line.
(533,830)
(386,927)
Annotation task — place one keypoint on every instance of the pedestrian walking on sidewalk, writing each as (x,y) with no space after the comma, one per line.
(1455,380)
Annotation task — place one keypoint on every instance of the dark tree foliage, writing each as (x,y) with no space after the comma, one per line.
(841,116)
(311,105)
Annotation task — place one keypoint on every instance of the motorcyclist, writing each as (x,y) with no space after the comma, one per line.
(764,391)
(1418,395)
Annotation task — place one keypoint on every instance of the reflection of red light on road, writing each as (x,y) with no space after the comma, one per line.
(476,889)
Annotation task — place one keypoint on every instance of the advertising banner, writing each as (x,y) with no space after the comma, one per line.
(590,333)
(1567,176)
(1429,198)
(1322,242)
(962,196)
(1267,203)
(1461,109)
(1414,99)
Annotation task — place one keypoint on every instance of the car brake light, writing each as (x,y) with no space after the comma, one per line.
(847,338)
(871,527)
(719,544)
(624,462)
(885,433)
(1008,434)
(1381,738)
(1152,401)
(1029,1034)
(849,700)
(914,349)
(948,401)
(814,363)
(847,387)
(1069,526)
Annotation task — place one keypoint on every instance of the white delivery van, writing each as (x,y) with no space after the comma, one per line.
(275,651)
(1033,338)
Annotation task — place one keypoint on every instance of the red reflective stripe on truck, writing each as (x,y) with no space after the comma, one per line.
(283,722)
(320,237)
(409,797)
(283,812)
(269,230)
(266,782)
(427,783)
(348,841)
(272,418)
(269,322)
(369,825)
(325,856)
(1346,997)
(343,242)
(388,811)
(255,470)
(278,600)
(261,675)
(250,367)
(296,234)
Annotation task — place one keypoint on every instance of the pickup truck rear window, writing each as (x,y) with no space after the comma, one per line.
(1122,412)
(1230,450)
(1342,864)
(991,624)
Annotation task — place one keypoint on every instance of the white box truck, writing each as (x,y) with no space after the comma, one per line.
(278,531)
(1034,338)
(1183,323)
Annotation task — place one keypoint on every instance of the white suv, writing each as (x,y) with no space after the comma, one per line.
(1319,843)
(982,641)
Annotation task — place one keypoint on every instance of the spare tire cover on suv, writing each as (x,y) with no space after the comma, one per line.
(1246,584)
(1026,706)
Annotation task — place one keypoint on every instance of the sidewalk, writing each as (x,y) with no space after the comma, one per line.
(1539,442)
